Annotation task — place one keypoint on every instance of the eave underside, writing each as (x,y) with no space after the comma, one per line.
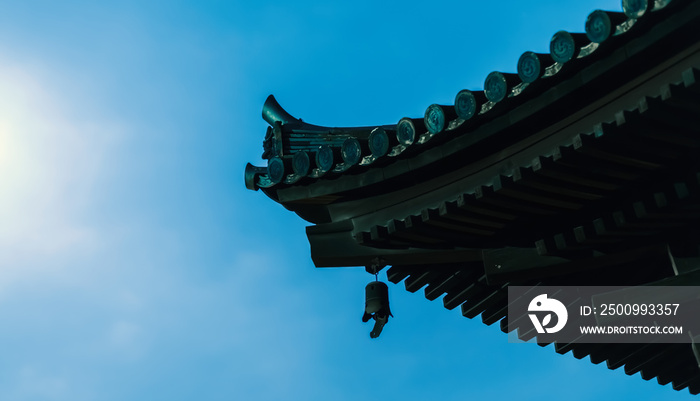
(620,205)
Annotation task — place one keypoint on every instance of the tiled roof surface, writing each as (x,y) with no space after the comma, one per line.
(299,153)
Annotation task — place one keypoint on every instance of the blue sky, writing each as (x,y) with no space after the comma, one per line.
(135,265)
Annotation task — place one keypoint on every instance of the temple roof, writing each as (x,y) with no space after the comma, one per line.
(581,168)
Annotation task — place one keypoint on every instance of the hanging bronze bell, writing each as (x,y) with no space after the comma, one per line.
(377,306)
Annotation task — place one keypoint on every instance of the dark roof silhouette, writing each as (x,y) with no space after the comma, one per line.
(581,168)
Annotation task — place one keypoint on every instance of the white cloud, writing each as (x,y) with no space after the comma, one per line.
(33,384)
(51,154)
(124,333)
